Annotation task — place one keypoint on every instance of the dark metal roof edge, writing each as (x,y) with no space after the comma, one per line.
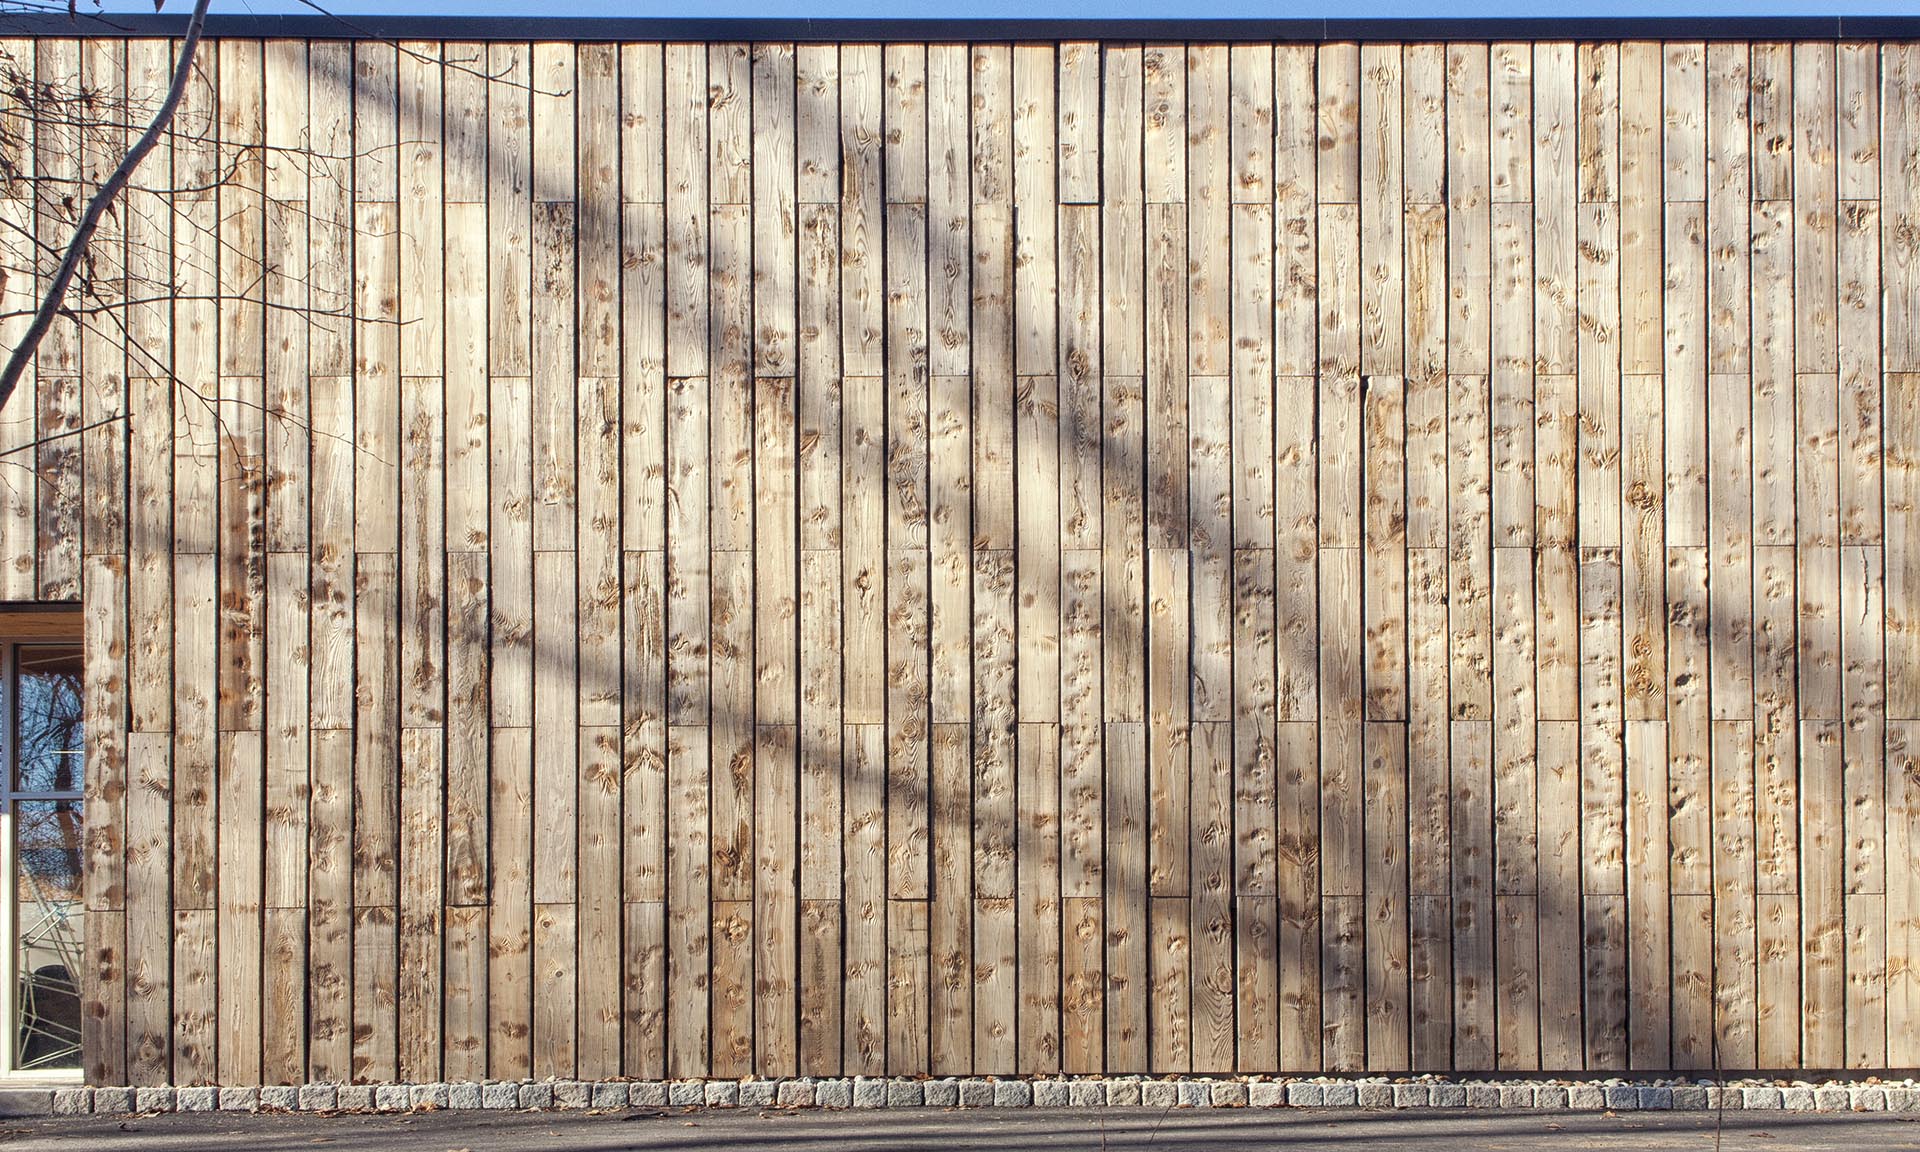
(307,26)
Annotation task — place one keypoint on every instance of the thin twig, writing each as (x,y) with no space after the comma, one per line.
(400,47)
(22,354)
(52,436)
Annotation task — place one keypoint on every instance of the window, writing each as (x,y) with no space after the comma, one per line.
(41,847)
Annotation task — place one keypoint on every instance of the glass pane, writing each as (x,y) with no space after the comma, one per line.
(48,727)
(49,937)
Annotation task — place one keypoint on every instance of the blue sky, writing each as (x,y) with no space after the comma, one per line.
(1057,9)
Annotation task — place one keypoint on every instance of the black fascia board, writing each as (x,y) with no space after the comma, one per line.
(716,29)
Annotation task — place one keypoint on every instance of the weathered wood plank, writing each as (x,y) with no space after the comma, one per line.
(1598,288)
(1822,883)
(776,908)
(1900,194)
(1382,214)
(1126,928)
(376,829)
(1170,996)
(1208,196)
(1515,818)
(1511,420)
(1039,913)
(688,888)
(1298,786)
(863,559)
(1429,826)
(1901,405)
(1648,874)
(1383,567)
(1035,192)
(1211,907)
(420,918)
(1597,143)
(686,199)
(1903,898)
(993,416)
(865,1011)
(1603,810)
(907,980)
(1562,1043)
(1079,138)
(1387,993)
(1555,212)
(1338,76)
(1641,177)
(729,101)
(775,222)
(950,906)
(1163,132)
(907,725)
(642,811)
(1469,218)
(1690,805)
(1424,105)
(735,833)
(1860,420)
(1474,985)
(1863,788)
(1643,558)
(1082,783)
(1295,238)
(1729,187)
(330,902)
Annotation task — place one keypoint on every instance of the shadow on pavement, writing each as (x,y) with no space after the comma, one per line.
(926,1130)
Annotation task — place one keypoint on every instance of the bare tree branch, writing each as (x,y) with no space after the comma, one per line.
(64,434)
(50,304)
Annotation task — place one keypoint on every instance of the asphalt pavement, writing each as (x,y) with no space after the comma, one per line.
(926,1130)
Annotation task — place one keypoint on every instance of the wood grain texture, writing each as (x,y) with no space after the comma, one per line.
(639,560)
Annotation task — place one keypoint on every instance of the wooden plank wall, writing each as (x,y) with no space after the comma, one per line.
(709,559)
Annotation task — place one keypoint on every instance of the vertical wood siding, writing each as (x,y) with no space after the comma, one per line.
(707,559)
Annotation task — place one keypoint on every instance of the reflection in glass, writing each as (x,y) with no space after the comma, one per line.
(48,738)
(49,937)
(48,721)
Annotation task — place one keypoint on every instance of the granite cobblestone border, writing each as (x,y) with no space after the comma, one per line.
(864,1092)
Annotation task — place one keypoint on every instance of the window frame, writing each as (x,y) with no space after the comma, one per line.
(11,642)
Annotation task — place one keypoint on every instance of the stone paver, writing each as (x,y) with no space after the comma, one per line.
(1382,1094)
